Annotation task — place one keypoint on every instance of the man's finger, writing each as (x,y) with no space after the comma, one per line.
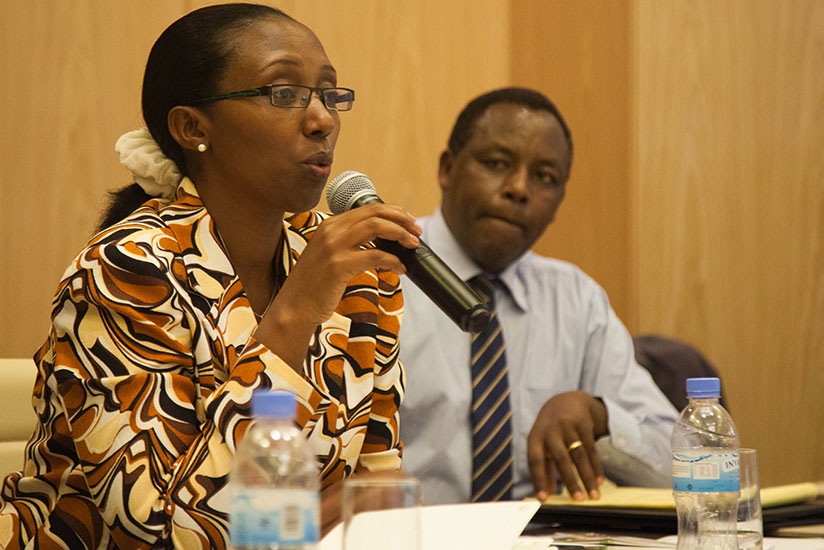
(536,459)
(566,467)
(582,456)
(551,477)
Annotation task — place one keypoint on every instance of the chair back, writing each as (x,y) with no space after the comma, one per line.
(17,420)
(671,362)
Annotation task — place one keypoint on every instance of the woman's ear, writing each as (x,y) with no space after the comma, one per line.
(188,127)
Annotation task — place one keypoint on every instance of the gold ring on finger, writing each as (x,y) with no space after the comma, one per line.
(574,445)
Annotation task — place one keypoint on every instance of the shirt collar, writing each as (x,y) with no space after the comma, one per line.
(454,256)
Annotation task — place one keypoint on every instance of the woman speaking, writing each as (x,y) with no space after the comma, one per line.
(200,288)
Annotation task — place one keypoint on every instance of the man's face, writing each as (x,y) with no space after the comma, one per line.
(503,188)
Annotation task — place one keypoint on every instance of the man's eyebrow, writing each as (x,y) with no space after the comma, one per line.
(551,161)
(498,148)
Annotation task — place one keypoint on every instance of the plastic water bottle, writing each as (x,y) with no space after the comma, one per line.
(705,470)
(274,481)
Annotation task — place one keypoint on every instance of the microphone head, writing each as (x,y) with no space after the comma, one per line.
(346,188)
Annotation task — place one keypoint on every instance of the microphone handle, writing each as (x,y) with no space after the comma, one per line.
(455,298)
(424,268)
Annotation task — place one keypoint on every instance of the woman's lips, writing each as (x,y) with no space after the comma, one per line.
(320,164)
(322,158)
(319,170)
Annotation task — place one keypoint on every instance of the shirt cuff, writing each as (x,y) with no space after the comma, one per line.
(624,430)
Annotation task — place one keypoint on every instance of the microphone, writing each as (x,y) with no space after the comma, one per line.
(423,267)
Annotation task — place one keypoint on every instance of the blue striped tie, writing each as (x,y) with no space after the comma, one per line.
(491,412)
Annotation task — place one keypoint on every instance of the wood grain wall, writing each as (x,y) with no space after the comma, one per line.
(728,225)
(578,54)
(697,191)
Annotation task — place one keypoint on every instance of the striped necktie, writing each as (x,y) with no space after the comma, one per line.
(491,413)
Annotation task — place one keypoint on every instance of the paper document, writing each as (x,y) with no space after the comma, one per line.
(585,541)
(779,543)
(481,526)
(595,540)
(563,542)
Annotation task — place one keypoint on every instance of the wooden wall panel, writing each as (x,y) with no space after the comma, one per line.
(577,54)
(71,75)
(729,217)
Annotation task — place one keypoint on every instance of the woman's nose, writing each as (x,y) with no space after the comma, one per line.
(319,121)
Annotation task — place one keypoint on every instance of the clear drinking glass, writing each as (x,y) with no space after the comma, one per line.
(750,526)
(382,512)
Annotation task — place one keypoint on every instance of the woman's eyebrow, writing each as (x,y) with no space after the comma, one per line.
(296,63)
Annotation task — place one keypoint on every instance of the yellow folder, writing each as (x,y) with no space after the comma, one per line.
(642,497)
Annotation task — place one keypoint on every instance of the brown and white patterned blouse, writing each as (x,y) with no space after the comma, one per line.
(144,385)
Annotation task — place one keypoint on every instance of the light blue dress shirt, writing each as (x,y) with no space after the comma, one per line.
(561,335)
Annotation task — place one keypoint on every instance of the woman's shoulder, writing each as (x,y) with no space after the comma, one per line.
(146,241)
(145,228)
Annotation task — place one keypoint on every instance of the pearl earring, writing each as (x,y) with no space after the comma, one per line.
(201,147)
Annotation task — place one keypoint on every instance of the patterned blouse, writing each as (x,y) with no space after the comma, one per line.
(144,385)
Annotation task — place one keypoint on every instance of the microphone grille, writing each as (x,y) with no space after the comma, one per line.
(343,189)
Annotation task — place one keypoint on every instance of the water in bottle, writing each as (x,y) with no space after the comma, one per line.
(705,470)
(274,481)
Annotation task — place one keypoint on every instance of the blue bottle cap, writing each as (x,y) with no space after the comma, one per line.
(274,403)
(703,387)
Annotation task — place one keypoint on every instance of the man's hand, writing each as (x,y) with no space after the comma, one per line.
(563,437)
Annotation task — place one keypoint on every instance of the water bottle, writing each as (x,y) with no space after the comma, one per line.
(705,470)
(274,481)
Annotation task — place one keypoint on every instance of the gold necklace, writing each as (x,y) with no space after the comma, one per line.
(276,268)
(265,311)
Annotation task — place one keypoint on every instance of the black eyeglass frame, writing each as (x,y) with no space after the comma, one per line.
(267,90)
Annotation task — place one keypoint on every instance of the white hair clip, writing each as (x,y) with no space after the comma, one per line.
(153,171)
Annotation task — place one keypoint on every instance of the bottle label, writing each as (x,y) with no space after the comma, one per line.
(274,517)
(705,471)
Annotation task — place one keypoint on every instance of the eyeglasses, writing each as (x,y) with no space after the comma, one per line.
(294,96)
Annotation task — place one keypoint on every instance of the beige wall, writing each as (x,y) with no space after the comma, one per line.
(728,225)
(578,54)
(696,198)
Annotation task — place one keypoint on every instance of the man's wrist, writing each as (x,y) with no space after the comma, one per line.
(601,418)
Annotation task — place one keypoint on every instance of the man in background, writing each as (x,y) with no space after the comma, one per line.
(504,413)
